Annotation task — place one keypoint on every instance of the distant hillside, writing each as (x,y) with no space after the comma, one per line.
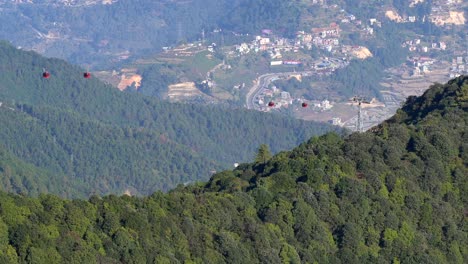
(17,176)
(85,109)
(392,195)
(108,31)
(95,158)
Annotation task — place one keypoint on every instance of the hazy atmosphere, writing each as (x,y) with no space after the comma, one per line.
(242,131)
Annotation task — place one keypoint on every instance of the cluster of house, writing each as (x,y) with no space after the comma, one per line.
(281,98)
(336,121)
(421,64)
(368,29)
(323,105)
(416,46)
(324,38)
(459,66)
(328,38)
(274,45)
(284,99)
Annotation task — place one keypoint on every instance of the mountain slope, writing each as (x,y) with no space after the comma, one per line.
(98,158)
(212,137)
(392,195)
(102,31)
(17,176)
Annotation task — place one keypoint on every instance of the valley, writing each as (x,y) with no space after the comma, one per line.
(233,131)
(110,141)
(253,90)
(212,71)
(390,195)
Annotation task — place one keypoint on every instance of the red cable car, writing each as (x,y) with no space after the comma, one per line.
(304,104)
(271,104)
(87,75)
(45,74)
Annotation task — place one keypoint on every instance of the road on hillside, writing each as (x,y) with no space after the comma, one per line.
(263,81)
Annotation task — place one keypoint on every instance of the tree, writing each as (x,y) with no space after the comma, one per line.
(263,154)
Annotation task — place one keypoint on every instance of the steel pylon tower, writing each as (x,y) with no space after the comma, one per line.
(359,123)
(359,118)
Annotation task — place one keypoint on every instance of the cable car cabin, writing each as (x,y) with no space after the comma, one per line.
(45,75)
(271,104)
(87,75)
(304,105)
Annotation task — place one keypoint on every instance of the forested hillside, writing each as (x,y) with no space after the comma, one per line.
(96,32)
(392,195)
(17,176)
(95,158)
(71,125)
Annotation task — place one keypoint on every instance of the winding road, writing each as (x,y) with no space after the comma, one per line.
(262,82)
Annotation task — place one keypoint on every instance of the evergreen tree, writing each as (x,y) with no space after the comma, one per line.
(263,154)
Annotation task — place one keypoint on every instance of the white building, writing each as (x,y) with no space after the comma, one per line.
(243,48)
(442,45)
(336,121)
(264,41)
(326,105)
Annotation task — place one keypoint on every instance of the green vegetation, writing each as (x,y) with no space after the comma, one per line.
(244,70)
(364,76)
(392,195)
(305,87)
(169,69)
(235,72)
(17,176)
(359,77)
(203,62)
(157,78)
(111,141)
(94,34)
(97,158)
(253,16)
(109,29)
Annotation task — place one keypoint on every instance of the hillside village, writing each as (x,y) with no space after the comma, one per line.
(333,49)
(424,55)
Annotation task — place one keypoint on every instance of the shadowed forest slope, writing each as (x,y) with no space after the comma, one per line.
(111,141)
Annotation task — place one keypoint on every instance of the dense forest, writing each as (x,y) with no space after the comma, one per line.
(395,194)
(18,176)
(94,157)
(71,126)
